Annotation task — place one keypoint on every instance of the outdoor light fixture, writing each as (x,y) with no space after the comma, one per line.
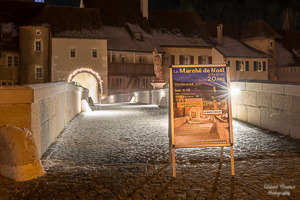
(235,91)
(162,93)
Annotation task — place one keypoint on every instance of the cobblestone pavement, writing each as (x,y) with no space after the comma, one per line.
(121,152)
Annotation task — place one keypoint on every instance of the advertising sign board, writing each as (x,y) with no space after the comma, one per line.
(200,106)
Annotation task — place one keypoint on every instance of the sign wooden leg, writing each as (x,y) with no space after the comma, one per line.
(232,160)
(170,153)
(221,157)
(173,162)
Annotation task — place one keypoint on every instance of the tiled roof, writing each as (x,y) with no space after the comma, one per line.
(70,22)
(258,29)
(233,48)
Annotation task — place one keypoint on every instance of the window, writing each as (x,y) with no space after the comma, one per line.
(10,83)
(9,61)
(38,32)
(186,60)
(260,66)
(141,59)
(166,59)
(137,36)
(38,45)
(123,59)
(204,60)
(94,53)
(12,61)
(242,66)
(73,53)
(38,72)
(228,63)
(3,83)
(145,83)
(16,61)
(271,44)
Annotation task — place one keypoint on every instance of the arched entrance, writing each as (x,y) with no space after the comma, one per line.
(195,112)
(89,79)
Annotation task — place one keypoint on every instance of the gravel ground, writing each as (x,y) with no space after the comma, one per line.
(120,151)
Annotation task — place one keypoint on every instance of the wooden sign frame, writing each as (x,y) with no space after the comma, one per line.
(172,145)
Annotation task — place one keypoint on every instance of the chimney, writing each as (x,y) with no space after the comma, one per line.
(144,8)
(286,24)
(220,34)
(81,4)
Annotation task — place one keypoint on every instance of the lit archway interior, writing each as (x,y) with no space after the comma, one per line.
(195,112)
(88,81)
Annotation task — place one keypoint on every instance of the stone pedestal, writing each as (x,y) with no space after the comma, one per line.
(158,83)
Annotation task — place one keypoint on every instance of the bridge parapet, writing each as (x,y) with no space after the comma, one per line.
(44,109)
(273,106)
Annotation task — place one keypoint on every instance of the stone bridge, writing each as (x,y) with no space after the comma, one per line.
(120,150)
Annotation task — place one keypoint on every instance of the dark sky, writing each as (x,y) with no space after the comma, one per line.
(226,11)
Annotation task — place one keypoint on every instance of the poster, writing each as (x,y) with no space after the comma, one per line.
(200,106)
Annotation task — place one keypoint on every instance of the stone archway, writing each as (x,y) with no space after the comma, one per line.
(195,111)
(89,79)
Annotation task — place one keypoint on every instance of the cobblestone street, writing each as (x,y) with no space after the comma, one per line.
(120,151)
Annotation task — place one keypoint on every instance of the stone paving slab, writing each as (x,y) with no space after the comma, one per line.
(121,152)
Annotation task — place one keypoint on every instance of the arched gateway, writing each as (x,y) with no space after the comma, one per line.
(89,79)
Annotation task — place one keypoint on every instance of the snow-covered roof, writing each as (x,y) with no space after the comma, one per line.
(169,39)
(233,48)
(120,40)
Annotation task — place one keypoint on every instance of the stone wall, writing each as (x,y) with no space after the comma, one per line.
(44,109)
(272,106)
(157,97)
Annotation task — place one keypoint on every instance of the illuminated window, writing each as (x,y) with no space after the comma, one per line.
(260,66)
(73,53)
(38,45)
(38,72)
(137,36)
(242,66)
(95,53)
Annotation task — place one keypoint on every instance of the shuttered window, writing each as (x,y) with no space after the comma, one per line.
(191,60)
(181,60)
(172,60)
(247,66)
(209,60)
(200,60)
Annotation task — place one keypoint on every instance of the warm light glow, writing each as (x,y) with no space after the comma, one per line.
(235,91)
(162,93)
(97,76)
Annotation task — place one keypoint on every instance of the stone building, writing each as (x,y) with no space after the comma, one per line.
(12,15)
(73,49)
(130,44)
(260,36)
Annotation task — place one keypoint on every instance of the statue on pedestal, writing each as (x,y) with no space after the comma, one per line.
(157,65)
(159,81)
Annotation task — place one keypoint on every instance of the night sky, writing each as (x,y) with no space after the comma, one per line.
(226,11)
